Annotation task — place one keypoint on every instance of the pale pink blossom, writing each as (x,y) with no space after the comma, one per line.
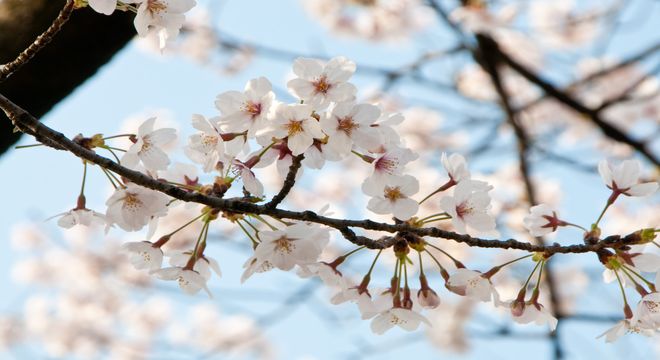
(348,124)
(147,147)
(624,177)
(406,319)
(319,83)
(469,206)
(393,197)
(190,281)
(295,122)
(144,255)
(542,220)
(247,110)
(472,284)
(133,206)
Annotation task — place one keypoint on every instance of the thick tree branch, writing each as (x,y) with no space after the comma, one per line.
(84,44)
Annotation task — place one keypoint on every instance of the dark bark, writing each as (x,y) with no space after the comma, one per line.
(87,42)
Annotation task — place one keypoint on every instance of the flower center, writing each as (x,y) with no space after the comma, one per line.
(347,125)
(322,85)
(294,127)
(386,164)
(652,306)
(155,6)
(284,245)
(393,193)
(463,209)
(252,108)
(132,202)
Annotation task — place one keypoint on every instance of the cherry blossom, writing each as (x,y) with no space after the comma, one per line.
(106,7)
(533,312)
(251,183)
(393,197)
(133,206)
(647,314)
(207,146)
(623,327)
(391,163)
(406,319)
(542,220)
(247,110)
(296,123)
(165,17)
(624,177)
(456,167)
(349,124)
(319,83)
(147,147)
(144,255)
(297,244)
(472,284)
(469,207)
(253,265)
(84,217)
(203,265)
(190,281)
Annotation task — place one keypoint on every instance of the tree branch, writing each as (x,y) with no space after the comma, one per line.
(30,124)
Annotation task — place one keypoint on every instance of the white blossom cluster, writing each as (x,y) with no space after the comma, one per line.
(328,124)
(163,18)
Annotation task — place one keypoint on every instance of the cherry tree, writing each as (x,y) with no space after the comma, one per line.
(418,195)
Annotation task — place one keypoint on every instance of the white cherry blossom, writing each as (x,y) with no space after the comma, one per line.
(84,217)
(469,207)
(190,281)
(542,220)
(105,7)
(623,327)
(165,17)
(297,244)
(348,124)
(456,167)
(319,83)
(203,265)
(472,284)
(206,147)
(647,314)
(393,197)
(297,124)
(144,255)
(133,206)
(247,110)
(251,183)
(538,314)
(406,319)
(391,163)
(147,147)
(253,265)
(624,177)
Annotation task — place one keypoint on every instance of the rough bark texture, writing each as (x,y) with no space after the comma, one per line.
(87,41)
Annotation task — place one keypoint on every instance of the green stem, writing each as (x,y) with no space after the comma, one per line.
(514,260)
(263,221)
(113,153)
(254,242)
(109,178)
(421,268)
(576,226)
(118,136)
(82,187)
(623,292)
(456,262)
(529,278)
(27,146)
(188,223)
(436,261)
(626,269)
(373,263)
(602,213)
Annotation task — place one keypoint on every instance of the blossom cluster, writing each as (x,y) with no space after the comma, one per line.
(164,18)
(254,130)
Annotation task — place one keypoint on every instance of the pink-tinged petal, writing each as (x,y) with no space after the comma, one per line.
(257,88)
(105,7)
(380,206)
(302,89)
(627,173)
(339,69)
(307,68)
(230,102)
(298,143)
(366,114)
(644,189)
(605,172)
(404,209)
